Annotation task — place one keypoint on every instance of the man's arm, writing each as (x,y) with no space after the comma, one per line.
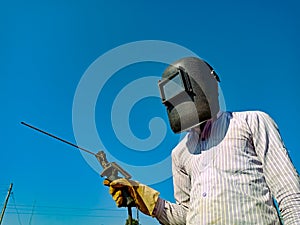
(169,213)
(280,174)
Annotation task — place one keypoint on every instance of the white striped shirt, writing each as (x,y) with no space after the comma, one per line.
(231,174)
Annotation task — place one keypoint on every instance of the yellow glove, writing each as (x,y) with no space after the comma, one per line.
(144,197)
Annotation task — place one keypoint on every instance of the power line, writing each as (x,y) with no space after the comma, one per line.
(29,207)
(36,210)
(67,214)
(32,213)
(14,201)
(42,210)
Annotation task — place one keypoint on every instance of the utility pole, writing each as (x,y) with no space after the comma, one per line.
(6,200)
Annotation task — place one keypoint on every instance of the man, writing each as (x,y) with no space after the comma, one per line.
(228,168)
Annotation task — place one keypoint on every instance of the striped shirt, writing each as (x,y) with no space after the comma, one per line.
(229,174)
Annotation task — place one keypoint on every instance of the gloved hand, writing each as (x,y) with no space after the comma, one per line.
(144,197)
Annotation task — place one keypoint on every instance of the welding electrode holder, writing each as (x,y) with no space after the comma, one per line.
(111,171)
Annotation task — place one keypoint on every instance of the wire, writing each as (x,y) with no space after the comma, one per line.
(67,214)
(14,201)
(32,213)
(29,207)
(62,211)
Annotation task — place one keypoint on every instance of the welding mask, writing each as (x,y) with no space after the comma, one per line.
(189,91)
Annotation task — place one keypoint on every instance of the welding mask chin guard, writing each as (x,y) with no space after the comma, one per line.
(189,91)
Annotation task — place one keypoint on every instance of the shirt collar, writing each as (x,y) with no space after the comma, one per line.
(208,123)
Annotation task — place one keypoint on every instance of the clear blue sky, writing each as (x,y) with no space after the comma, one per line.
(46,48)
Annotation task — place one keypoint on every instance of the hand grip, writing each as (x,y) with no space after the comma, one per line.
(129,201)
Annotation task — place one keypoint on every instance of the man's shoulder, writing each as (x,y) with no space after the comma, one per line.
(253,118)
(180,148)
(250,114)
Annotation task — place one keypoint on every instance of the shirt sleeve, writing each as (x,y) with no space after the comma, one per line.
(168,213)
(280,174)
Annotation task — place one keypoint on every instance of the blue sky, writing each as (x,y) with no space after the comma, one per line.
(46,47)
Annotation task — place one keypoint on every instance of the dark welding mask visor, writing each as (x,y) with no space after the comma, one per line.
(175,86)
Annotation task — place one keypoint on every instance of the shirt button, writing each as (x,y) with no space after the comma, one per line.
(204,194)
